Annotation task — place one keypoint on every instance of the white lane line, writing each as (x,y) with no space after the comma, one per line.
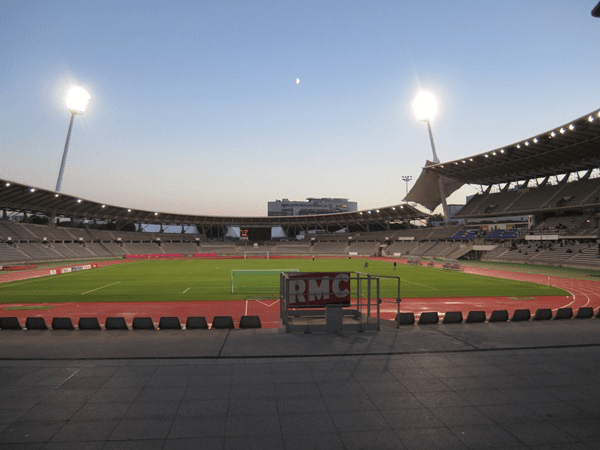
(186,290)
(101,287)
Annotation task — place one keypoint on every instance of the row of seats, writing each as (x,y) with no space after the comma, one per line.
(139,323)
(519,315)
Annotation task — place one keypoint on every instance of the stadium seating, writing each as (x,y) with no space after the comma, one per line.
(576,246)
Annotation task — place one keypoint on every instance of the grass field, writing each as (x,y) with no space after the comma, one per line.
(185,280)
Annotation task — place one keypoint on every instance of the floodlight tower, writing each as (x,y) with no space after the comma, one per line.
(406,179)
(77,101)
(425,109)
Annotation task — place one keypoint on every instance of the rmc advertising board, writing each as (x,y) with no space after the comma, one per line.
(318,289)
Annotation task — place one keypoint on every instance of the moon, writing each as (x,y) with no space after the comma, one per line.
(297,80)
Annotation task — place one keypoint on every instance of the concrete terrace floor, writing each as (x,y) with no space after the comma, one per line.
(499,385)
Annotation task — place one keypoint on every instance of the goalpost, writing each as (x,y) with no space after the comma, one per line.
(453,264)
(256,254)
(263,281)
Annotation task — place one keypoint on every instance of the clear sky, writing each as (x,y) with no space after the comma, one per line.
(195,107)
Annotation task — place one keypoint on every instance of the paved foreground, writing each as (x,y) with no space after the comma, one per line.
(504,385)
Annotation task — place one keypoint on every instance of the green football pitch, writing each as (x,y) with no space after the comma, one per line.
(186,280)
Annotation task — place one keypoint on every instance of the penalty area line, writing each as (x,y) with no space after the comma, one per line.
(101,287)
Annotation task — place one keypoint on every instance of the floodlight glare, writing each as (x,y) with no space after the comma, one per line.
(425,106)
(77,100)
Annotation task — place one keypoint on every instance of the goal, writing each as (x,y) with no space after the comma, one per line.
(256,255)
(453,264)
(264,281)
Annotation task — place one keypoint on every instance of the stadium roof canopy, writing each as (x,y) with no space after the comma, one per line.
(17,197)
(572,147)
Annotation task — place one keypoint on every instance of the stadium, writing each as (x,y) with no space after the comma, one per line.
(538,205)
(388,327)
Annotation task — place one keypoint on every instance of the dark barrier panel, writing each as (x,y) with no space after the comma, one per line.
(543,314)
(429,318)
(35,323)
(406,318)
(88,323)
(10,323)
(115,323)
(62,323)
(143,323)
(521,315)
(563,313)
(222,322)
(499,315)
(196,323)
(476,317)
(453,317)
(169,323)
(585,312)
(250,322)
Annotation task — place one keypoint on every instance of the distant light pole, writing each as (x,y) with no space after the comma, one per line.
(406,179)
(425,109)
(77,101)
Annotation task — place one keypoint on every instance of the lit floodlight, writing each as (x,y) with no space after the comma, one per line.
(77,100)
(425,106)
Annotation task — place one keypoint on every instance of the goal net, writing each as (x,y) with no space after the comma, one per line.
(453,264)
(414,260)
(256,255)
(265,281)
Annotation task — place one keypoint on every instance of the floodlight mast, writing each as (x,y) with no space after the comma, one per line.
(77,101)
(435,156)
(406,179)
(425,108)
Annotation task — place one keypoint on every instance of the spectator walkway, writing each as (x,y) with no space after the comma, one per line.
(503,385)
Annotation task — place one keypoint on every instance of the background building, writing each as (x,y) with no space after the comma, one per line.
(311,206)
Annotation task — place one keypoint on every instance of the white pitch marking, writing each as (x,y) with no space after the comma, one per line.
(186,290)
(419,284)
(101,287)
(266,304)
